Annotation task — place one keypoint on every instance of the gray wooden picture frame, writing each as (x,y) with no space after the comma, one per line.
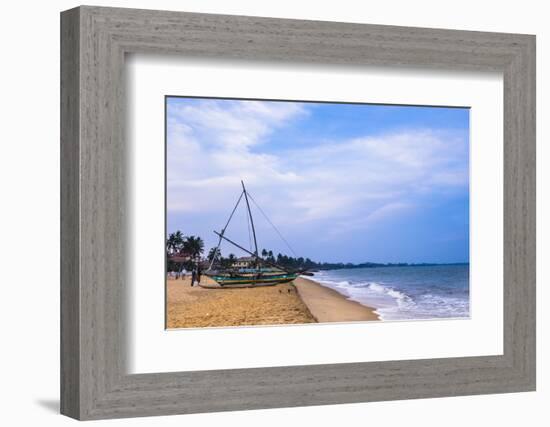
(94,41)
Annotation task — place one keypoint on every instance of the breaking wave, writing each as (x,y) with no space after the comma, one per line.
(433,294)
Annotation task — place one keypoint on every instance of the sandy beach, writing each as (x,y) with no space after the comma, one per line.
(192,307)
(299,302)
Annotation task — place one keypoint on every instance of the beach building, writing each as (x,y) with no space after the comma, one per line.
(244,262)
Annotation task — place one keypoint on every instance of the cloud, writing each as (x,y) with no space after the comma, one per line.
(378,215)
(343,179)
(209,145)
(231,125)
(332,188)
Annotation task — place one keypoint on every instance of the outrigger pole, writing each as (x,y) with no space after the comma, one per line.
(253,254)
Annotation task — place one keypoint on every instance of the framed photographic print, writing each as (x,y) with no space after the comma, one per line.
(287,213)
(349,182)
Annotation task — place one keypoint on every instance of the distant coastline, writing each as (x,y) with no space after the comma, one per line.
(190,249)
(341,265)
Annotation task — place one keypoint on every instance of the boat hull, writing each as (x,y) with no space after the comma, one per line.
(253,280)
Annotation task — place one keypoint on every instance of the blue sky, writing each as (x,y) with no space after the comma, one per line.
(342,182)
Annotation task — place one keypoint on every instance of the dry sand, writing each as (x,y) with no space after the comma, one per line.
(192,307)
(302,301)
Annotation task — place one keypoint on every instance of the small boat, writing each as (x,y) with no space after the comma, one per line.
(259,279)
(262,273)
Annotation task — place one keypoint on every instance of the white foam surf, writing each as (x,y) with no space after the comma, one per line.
(396,304)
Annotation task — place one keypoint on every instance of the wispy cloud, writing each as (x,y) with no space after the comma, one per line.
(231,125)
(361,223)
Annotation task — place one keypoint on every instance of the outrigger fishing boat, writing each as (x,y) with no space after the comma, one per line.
(262,273)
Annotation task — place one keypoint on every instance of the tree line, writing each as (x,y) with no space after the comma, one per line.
(192,248)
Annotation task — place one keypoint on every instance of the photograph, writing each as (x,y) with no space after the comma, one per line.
(284,212)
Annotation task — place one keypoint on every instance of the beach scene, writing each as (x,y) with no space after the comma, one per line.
(299,212)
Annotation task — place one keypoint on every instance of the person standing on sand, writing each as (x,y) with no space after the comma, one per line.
(193,275)
(198,273)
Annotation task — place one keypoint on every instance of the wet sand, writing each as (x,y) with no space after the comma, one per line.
(327,305)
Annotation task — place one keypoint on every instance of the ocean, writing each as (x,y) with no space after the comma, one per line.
(405,293)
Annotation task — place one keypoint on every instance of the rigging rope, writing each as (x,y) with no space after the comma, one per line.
(273,225)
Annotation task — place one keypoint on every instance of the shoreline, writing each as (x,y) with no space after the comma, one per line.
(328,305)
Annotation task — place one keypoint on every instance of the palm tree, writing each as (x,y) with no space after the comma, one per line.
(174,246)
(174,243)
(194,246)
(170,243)
(213,253)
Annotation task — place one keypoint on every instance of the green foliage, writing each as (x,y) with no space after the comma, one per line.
(190,247)
(193,246)
(174,243)
(213,253)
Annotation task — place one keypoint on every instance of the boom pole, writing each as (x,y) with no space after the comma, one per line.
(272,264)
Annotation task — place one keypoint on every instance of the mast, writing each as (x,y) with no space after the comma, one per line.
(251,222)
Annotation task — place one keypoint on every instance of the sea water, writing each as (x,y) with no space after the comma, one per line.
(405,293)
